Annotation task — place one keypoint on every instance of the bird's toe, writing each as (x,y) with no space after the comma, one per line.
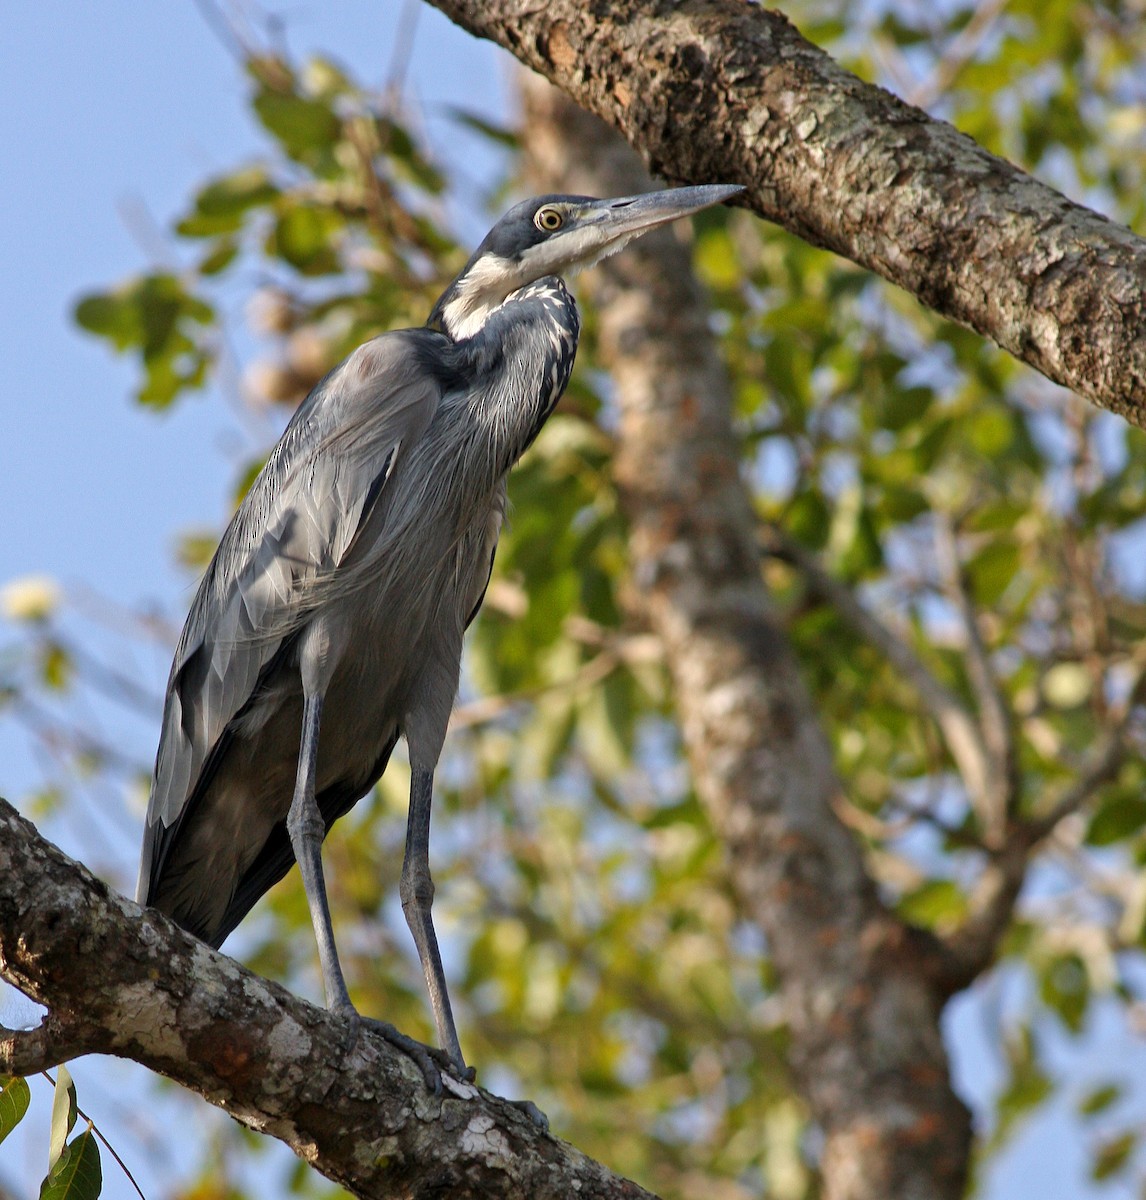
(533,1113)
(429,1061)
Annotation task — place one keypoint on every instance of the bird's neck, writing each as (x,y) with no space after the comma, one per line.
(465,306)
(520,358)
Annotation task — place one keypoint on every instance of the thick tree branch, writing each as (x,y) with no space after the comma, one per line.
(856,983)
(118,981)
(721,90)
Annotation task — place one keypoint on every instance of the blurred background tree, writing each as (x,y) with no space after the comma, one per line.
(954,545)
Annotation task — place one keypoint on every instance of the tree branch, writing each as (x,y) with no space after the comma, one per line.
(720,90)
(120,981)
(972,947)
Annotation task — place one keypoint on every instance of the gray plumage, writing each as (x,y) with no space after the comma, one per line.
(330,620)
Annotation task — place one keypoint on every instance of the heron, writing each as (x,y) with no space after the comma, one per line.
(330,620)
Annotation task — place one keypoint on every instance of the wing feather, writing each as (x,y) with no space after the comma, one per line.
(300,518)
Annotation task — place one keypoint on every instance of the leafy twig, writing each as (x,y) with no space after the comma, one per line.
(109,1147)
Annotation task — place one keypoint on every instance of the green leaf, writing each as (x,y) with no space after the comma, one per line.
(219,257)
(992,569)
(715,259)
(234,194)
(903,405)
(991,431)
(158,317)
(78,1174)
(809,519)
(1065,988)
(1000,514)
(304,128)
(1112,1155)
(109,315)
(305,237)
(1121,816)
(55,666)
(63,1114)
(903,504)
(865,551)
(937,902)
(1028,1087)
(1100,1099)
(15,1096)
(487,129)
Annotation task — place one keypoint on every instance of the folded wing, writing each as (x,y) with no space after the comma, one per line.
(298,521)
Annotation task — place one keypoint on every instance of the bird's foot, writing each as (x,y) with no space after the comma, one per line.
(429,1060)
(532,1112)
(433,1063)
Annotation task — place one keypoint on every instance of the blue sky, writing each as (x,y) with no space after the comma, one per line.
(122,109)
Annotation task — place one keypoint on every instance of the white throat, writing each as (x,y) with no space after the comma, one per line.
(486,285)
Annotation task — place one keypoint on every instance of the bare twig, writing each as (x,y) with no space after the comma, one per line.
(961,733)
(1102,765)
(958,52)
(224,28)
(616,651)
(402,50)
(973,946)
(1000,796)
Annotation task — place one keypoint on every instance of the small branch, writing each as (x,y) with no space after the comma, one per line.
(1000,798)
(30,1051)
(615,651)
(973,946)
(961,733)
(1102,765)
(957,54)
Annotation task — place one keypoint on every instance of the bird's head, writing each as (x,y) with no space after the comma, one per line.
(555,235)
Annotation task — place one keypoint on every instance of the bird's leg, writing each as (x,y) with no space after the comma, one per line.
(417,892)
(307,829)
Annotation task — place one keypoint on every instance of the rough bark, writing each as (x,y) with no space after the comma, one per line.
(721,90)
(118,980)
(862,991)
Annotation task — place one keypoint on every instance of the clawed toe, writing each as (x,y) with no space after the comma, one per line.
(429,1061)
(432,1062)
(533,1113)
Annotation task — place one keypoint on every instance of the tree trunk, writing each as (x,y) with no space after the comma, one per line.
(862,992)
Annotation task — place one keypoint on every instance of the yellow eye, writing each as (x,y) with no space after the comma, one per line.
(548,220)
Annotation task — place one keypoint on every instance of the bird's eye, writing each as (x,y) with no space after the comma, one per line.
(548,220)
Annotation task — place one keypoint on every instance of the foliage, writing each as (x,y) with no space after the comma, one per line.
(74,1171)
(15,1096)
(990,521)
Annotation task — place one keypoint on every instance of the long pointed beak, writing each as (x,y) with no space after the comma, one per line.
(630,215)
